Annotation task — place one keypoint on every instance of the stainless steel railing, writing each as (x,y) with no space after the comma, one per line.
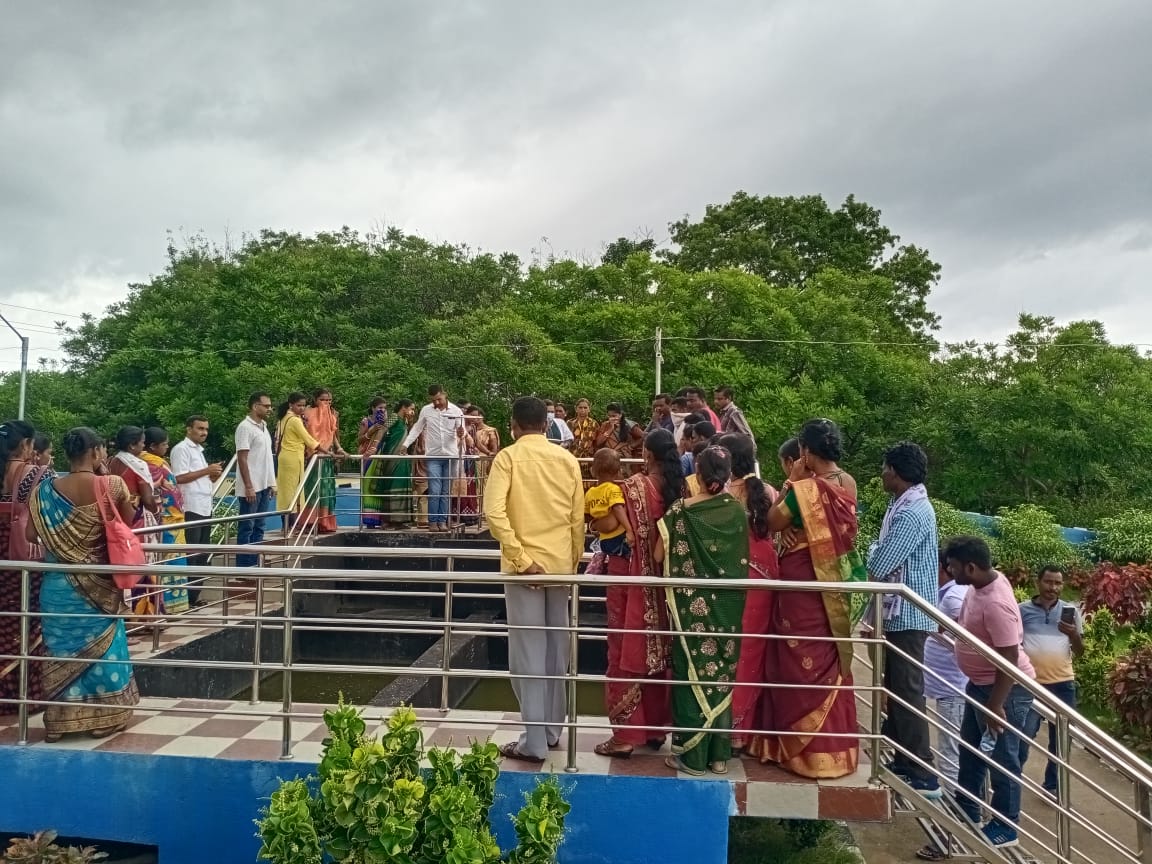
(1058,841)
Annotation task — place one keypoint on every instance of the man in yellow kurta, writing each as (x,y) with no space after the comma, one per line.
(534,503)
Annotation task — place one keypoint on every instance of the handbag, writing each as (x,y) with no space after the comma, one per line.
(124,547)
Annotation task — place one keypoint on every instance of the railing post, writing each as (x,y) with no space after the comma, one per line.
(156,620)
(877,748)
(573,672)
(1063,787)
(446,662)
(25,638)
(1143,830)
(256,639)
(224,579)
(286,706)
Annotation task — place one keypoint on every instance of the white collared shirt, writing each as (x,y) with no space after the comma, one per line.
(254,438)
(439,430)
(187,457)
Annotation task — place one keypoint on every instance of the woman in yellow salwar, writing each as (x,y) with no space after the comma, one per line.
(817,512)
(704,536)
(292,442)
(320,486)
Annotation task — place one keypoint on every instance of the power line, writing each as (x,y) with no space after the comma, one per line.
(45,311)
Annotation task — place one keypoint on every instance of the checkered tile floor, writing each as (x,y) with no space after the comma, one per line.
(198,623)
(237,730)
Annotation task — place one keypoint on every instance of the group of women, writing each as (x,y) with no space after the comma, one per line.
(77,642)
(788,673)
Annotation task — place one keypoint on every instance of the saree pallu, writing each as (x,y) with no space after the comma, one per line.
(639,654)
(101,695)
(388,482)
(827,513)
(756,621)
(320,492)
(708,540)
(175,586)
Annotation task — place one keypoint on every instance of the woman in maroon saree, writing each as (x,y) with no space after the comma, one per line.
(638,658)
(818,511)
(757,497)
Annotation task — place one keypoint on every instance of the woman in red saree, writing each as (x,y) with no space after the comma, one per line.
(638,700)
(320,486)
(757,498)
(817,511)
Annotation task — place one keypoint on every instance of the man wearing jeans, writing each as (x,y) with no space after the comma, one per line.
(534,503)
(907,553)
(442,425)
(255,474)
(991,614)
(1053,635)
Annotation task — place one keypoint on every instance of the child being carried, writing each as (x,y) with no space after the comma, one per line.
(604,504)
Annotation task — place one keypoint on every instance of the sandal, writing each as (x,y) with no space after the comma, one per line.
(674,762)
(512,751)
(613,749)
(931,853)
(718,767)
(53,737)
(105,733)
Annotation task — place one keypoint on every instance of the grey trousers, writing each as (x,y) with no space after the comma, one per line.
(538,652)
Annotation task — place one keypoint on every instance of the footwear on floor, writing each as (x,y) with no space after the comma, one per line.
(613,749)
(512,751)
(999,835)
(930,853)
(929,788)
(675,763)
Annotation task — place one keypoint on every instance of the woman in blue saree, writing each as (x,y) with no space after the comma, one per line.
(65,521)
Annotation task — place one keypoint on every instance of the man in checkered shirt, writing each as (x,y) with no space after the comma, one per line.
(907,553)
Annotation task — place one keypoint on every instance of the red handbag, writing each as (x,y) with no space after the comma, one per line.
(124,547)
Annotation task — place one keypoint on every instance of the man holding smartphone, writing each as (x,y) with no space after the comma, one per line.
(1053,635)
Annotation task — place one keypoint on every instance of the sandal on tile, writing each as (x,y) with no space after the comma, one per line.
(105,733)
(53,737)
(512,751)
(718,767)
(675,763)
(613,749)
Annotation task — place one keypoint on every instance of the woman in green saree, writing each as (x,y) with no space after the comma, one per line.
(388,482)
(705,537)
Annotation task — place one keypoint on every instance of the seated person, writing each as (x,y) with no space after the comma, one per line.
(604,503)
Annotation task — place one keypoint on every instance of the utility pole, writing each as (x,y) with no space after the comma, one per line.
(659,359)
(23,366)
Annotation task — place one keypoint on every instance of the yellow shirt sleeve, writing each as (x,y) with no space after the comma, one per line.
(496,512)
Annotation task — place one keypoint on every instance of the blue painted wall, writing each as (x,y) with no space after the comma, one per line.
(198,810)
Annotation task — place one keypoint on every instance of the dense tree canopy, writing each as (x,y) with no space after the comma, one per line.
(803,310)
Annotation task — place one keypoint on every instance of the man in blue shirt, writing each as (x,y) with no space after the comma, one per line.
(907,553)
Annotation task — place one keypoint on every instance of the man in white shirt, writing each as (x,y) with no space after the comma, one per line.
(442,425)
(255,474)
(195,478)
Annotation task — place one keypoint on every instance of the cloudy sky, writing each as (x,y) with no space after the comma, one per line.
(1014,140)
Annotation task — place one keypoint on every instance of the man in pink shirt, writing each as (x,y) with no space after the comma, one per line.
(991,614)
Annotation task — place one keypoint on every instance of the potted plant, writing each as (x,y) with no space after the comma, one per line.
(41,848)
(371,803)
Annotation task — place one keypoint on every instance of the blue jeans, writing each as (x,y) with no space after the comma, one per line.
(439,485)
(1008,754)
(1065,691)
(251,531)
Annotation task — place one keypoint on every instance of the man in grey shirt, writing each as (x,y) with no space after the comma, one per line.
(732,419)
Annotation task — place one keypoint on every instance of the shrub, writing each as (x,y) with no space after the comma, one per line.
(1126,537)
(1121,589)
(1029,538)
(951,522)
(1094,665)
(1129,695)
(41,848)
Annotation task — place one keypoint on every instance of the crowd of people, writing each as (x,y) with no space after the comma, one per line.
(695,507)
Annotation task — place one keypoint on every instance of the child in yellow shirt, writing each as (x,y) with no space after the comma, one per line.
(604,503)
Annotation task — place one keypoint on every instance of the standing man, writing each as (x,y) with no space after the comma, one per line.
(991,614)
(732,419)
(661,414)
(534,503)
(698,402)
(1053,635)
(195,477)
(907,553)
(255,474)
(442,425)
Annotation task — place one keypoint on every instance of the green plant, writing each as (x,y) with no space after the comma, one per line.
(796,841)
(1126,537)
(1121,589)
(41,848)
(373,806)
(1028,538)
(951,522)
(1092,666)
(540,824)
(1129,695)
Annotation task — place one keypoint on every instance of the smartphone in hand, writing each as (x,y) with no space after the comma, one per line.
(1068,614)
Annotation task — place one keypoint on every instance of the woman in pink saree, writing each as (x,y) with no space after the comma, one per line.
(637,697)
